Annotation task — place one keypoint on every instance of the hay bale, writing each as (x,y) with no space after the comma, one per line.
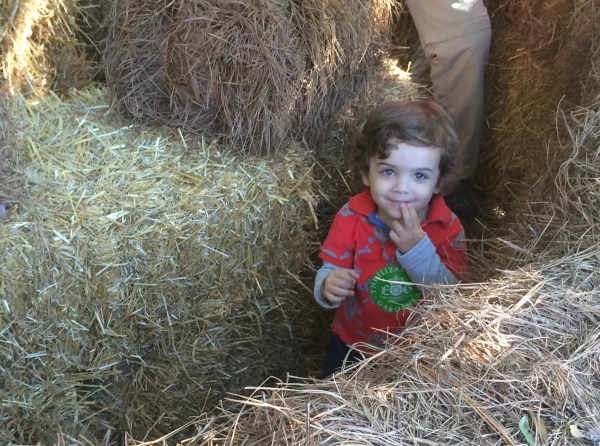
(39,46)
(257,73)
(138,265)
(540,54)
(469,374)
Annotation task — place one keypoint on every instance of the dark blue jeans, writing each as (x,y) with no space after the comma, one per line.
(336,354)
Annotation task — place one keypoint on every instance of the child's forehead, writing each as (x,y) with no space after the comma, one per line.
(395,144)
(407,157)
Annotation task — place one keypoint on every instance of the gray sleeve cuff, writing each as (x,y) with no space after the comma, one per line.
(424,266)
(321,274)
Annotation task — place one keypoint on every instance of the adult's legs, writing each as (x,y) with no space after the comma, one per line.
(457,72)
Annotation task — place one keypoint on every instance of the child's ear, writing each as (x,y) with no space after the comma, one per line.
(365,178)
(438,186)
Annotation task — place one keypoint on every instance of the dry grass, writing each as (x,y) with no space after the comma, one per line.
(39,46)
(7,190)
(259,74)
(539,58)
(475,366)
(142,274)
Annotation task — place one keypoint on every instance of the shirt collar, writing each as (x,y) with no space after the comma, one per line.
(438,211)
(363,204)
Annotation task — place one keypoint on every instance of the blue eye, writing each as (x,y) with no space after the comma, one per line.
(420,176)
(387,172)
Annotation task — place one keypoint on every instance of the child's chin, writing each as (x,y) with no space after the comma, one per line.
(395,215)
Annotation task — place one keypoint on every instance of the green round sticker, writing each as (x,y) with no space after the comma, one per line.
(390,296)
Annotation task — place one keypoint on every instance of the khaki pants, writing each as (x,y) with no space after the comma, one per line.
(457,68)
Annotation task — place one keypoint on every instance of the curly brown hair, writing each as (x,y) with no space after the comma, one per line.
(418,123)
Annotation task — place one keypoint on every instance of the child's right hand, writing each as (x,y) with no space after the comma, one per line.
(338,285)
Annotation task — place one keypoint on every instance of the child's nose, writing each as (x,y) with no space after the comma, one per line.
(401,184)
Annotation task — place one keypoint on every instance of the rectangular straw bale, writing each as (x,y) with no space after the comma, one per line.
(127,265)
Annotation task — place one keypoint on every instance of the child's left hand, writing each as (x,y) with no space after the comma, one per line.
(408,233)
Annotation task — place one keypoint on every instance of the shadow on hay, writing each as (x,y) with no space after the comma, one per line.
(539,60)
(42,47)
(258,73)
(8,187)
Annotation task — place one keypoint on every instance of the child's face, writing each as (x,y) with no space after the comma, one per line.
(409,175)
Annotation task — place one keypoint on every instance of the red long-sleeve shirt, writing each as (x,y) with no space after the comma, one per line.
(359,240)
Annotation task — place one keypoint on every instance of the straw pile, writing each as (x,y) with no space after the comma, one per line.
(40,48)
(258,73)
(139,271)
(511,361)
(540,53)
(468,375)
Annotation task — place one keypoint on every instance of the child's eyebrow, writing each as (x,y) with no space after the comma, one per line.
(383,163)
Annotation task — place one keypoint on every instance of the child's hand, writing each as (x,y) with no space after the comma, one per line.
(408,233)
(338,285)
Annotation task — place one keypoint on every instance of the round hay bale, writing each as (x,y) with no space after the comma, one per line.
(257,73)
